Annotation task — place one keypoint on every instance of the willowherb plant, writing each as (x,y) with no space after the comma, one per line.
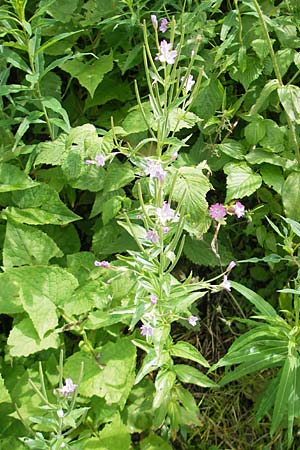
(59,416)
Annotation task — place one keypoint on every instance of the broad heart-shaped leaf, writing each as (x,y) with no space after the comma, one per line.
(111,377)
(187,351)
(13,179)
(191,187)
(114,435)
(272,176)
(188,374)
(117,176)
(23,340)
(241,181)
(49,283)
(290,196)
(90,75)
(24,245)
(54,211)
(290,99)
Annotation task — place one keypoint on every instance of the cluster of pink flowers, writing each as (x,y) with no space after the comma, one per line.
(155,170)
(163,23)
(99,161)
(218,211)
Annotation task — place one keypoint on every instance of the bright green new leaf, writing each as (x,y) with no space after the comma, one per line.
(24,245)
(241,181)
(23,340)
(91,74)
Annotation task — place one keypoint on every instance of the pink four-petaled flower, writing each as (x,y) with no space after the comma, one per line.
(166,53)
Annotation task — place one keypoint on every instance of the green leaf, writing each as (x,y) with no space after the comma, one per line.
(4,394)
(232,148)
(164,383)
(154,442)
(23,340)
(90,295)
(272,176)
(13,179)
(188,374)
(191,187)
(117,176)
(263,156)
(10,302)
(185,350)
(285,393)
(53,211)
(62,11)
(178,119)
(255,131)
(271,86)
(90,75)
(111,377)
(260,304)
(291,192)
(241,181)
(252,72)
(24,245)
(111,209)
(112,238)
(114,435)
(290,98)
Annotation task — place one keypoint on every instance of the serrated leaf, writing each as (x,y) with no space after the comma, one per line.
(191,187)
(271,86)
(272,177)
(13,179)
(23,340)
(90,75)
(111,209)
(241,181)
(291,192)
(290,98)
(232,148)
(111,377)
(117,176)
(255,131)
(24,245)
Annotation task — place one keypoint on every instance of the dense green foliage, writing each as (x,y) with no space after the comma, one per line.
(144,164)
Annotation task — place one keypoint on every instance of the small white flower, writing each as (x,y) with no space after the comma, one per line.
(166,54)
(166,213)
(68,388)
(188,83)
(60,413)
(152,236)
(193,320)
(226,284)
(155,170)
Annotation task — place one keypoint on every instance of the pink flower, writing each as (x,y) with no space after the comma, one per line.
(146,330)
(193,320)
(152,236)
(99,161)
(102,264)
(154,20)
(153,299)
(217,211)
(166,213)
(68,388)
(239,210)
(189,83)
(166,54)
(155,170)
(163,25)
(231,266)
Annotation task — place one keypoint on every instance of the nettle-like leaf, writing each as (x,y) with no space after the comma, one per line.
(241,181)
(191,187)
(40,207)
(114,435)
(23,340)
(111,377)
(291,192)
(290,99)
(90,74)
(13,179)
(25,244)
